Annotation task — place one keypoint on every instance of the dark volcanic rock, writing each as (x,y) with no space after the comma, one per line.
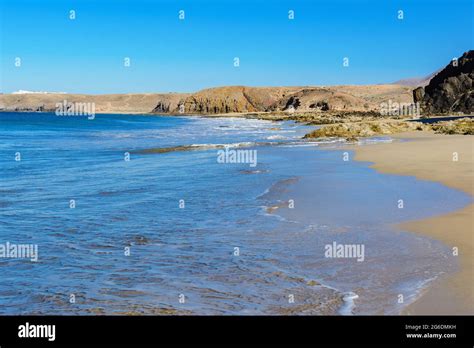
(418,94)
(451,90)
(322,105)
(162,107)
(292,102)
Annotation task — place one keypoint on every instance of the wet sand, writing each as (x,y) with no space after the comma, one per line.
(429,156)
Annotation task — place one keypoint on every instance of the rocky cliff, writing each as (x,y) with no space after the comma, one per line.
(450,90)
(240,99)
(229,99)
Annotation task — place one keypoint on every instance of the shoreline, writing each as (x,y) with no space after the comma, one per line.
(421,156)
(382,231)
(429,156)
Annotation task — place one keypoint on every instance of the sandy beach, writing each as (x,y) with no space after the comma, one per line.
(429,156)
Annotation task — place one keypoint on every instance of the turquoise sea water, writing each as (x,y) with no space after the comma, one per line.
(224,252)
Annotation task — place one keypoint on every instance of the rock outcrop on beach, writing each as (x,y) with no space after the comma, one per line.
(320,118)
(353,131)
(450,90)
(359,129)
(463,126)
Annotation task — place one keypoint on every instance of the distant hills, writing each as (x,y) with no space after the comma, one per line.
(416,81)
(223,100)
(448,90)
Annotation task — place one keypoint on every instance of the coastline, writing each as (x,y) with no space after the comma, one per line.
(429,156)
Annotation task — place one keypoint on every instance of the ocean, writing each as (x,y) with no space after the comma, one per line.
(135,214)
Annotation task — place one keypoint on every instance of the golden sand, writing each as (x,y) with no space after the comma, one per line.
(430,156)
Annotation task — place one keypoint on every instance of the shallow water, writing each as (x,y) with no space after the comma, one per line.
(191,251)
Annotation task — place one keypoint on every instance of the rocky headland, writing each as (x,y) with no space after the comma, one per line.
(342,111)
(451,90)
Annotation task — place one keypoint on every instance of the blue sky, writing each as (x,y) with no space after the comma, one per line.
(86,55)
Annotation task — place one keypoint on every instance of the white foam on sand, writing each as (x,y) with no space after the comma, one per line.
(349,304)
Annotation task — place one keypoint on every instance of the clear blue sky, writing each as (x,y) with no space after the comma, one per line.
(86,55)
